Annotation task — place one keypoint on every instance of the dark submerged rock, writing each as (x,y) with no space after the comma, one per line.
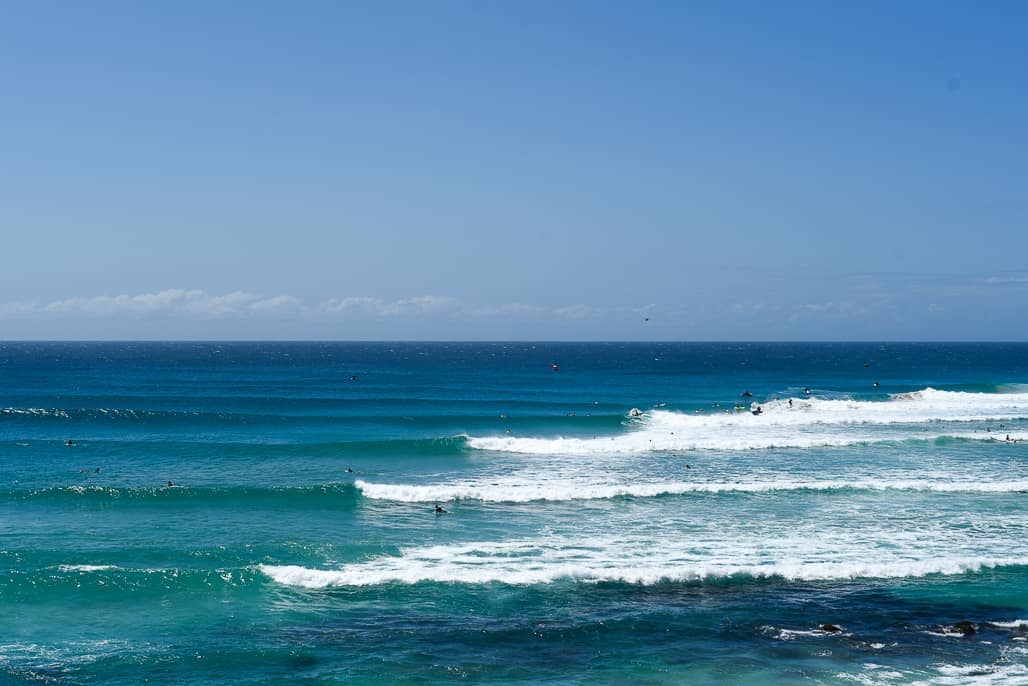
(965,627)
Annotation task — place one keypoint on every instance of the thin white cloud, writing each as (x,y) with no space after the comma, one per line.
(277,304)
(137,304)
(830,309)
(1000,280)
(355,303)
(574,312)
(376,307)
(173,301)
(422,304)
(199,304)
(507,310)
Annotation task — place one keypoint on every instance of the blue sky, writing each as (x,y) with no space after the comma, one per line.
(514,170)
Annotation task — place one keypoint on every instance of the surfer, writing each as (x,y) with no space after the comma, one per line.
(757,411)
(69,442)
(790,402)
(806,391)
(746,394)
(439,510)
(171,484)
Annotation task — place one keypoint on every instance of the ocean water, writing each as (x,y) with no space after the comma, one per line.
(869,526)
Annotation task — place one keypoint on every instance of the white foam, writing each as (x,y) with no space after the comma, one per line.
(1006,674)
(620,560)
(38,411)
(790,634)
(85,568)
(542,487)
(809,422)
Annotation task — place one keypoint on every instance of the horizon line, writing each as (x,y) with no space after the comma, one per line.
(491,340)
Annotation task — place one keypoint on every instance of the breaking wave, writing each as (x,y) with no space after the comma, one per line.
(928,414)
(511,491)
(527,564)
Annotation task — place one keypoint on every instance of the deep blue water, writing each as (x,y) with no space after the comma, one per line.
(867,526)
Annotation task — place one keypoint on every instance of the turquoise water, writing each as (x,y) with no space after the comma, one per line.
(868,526)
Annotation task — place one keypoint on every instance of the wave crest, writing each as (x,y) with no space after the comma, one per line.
(475,565)
(512,491)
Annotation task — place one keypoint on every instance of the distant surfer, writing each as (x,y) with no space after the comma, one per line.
(439,510)
(69,442)
(790,402)
(806,391)
(875,384)
(746,394)
(758,411)
(170,484)
(555,367)
(353,377)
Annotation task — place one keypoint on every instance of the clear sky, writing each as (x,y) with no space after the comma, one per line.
(514,170)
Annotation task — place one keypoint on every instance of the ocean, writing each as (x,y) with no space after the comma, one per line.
(265,513)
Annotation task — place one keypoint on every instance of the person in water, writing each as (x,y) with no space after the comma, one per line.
(439,510)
